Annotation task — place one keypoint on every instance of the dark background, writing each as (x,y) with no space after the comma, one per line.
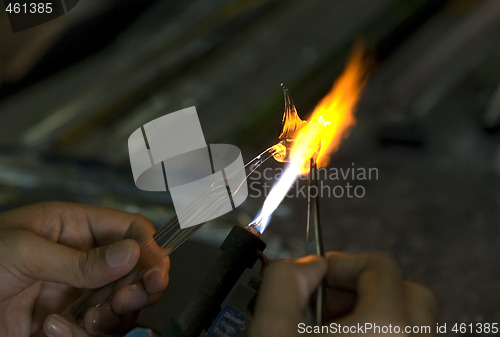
(74,89)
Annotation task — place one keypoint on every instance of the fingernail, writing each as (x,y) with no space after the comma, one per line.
(135,299)
(57,327)
(103,321)
(119,254)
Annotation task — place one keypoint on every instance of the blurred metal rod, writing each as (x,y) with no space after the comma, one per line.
(314,240)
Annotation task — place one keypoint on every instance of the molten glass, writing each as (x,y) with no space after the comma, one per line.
(330,122)
(316,139)
(290,125)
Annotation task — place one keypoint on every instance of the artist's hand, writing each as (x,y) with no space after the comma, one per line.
(364,288)
(49,252)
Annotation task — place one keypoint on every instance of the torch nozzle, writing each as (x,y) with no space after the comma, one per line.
(253,228)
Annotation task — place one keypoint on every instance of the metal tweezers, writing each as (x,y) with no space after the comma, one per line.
(314,241)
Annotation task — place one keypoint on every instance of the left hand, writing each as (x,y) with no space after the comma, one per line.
(50,251)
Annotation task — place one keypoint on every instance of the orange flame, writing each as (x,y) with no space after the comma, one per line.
(315,139)
(330,122)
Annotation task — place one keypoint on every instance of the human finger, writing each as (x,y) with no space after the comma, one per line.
(103,320)
(58,326)
(376,279)
(129,298)
(81,269)
(83,227)
(284,294)
(77,225)
(143,292)
(420,304)
(339,302)
(156,279)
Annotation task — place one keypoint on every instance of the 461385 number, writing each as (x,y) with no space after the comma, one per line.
(29,8)
(478,328)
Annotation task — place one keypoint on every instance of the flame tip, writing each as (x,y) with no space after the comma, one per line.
(303,143)
(330,122)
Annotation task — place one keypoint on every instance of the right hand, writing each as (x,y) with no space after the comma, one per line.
(361,288)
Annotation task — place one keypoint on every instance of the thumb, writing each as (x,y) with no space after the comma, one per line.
(284,294)
(48,261)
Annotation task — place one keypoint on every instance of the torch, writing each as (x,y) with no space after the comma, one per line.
(303,144)
(241,245)
(239,251)
(306,145)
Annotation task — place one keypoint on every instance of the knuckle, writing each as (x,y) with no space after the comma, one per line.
(85,268)
(141,220)
(140,228)
(48,207)
(386,263)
